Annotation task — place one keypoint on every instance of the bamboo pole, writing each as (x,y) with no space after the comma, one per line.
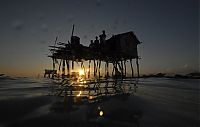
(99,69)
(122,68)
(53,64)
(53,68)
(68,69)
(107,69)
(63,69)
(132,72)
(125,68)
(113,68)
(94,68)
(72,64)
(138,72)
(89,69)
(59,68)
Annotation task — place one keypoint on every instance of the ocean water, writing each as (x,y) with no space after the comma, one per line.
(160,102)
(23,87)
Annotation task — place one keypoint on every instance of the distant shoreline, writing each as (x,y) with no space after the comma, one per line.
(176,76)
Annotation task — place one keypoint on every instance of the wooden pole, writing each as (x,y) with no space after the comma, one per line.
(89,69)
(107,69)
(94,68)
(63,69)
(125,68)
(72,64)
(97,66)
(132,72)
(73,30)
(59,68)
(99,69)
(113,68)
(53,68)
(83,67)
(122,68)
(68,71)
(53,63)
(53,55)
(138,72)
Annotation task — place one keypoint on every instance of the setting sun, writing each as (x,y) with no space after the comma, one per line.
(81,72)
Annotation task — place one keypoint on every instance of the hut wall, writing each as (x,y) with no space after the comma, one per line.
(128,44)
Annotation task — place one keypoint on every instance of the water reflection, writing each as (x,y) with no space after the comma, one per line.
(79,94)
(100,102)
(112,112)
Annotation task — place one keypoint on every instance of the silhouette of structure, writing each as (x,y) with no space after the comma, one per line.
(49,73)
(114,54)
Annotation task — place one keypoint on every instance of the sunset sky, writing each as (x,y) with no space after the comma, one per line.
(169,30)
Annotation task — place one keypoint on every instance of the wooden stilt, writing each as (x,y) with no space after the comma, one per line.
(53,64)
(99,69)
(125,68)
(132,72)
(63,69)
(89,69)
(68,71)
(113,69)
(122,68)
(138,72)
(107,69)
(83,67)
(94,68)
(72,64)
(59,68)
(53,68)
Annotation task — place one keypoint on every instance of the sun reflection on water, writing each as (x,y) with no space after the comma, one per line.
(78,95)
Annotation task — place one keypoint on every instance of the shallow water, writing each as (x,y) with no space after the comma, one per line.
(160,102)
(23,87)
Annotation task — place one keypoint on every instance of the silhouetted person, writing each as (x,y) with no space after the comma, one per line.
(102,37)
(96,42)
(91,44)
(102,40)
(96,45)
